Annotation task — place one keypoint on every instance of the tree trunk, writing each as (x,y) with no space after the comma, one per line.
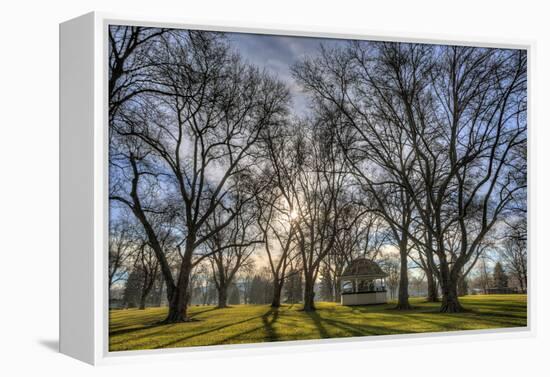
(178,302)
(520,281)
(309,293)
(177,308)
(147,286)
(222,296)
(403,298)
(161,289)
(432,287)
(523,279)
(337,290)
(277,289)
(449,301)
(142,299)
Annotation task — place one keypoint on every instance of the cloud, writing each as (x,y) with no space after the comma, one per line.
(276,54)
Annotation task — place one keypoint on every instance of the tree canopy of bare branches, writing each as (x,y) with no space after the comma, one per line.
(411,153)
(442,126)
(190,137)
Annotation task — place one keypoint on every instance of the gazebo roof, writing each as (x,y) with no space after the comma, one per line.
(363,268)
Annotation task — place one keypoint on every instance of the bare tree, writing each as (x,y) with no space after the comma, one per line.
(202,283)
(377,152)
(199,119)
(121,248)
(514,251)
(425,261)
(445,124)
(390,264)
(278,213)
(148,266)
(319,188)
(278,226)
(245,278)
(481,102)
(129,58)
(230,250)
(484,275)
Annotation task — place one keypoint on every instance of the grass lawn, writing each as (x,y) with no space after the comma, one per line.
(134,329)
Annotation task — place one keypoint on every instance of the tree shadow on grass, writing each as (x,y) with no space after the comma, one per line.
(143,319)
(397,310)
(268,320)
(323,333)
(500,319)
(458,321)
(268,323)
(162,329)
(355,329)
(153,325)
(116,330)
(208,331)
(487,309)
(198,312)
(371,308)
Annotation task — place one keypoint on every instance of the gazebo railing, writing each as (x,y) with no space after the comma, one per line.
(364,291)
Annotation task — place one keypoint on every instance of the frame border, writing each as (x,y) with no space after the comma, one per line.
(102,355)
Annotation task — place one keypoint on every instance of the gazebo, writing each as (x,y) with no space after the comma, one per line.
(363,282)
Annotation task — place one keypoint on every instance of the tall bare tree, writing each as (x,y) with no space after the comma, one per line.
(129,58)
(276,221)
(121,248)
(199,120)
(319,187)
(514,251)
(147,264)
(377,151)
(278,213)
(230,249)
(445,124)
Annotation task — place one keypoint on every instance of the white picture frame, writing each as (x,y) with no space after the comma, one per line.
(84,188)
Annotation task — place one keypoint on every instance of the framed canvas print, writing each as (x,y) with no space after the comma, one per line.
(227,188)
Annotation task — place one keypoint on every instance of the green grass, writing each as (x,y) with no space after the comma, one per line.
(138,329)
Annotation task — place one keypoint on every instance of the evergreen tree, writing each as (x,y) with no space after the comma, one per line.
(132,290)
(261,289)
(293,287)
(500,278)
(234,295)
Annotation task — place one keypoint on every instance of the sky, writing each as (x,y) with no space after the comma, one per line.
(277,54)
